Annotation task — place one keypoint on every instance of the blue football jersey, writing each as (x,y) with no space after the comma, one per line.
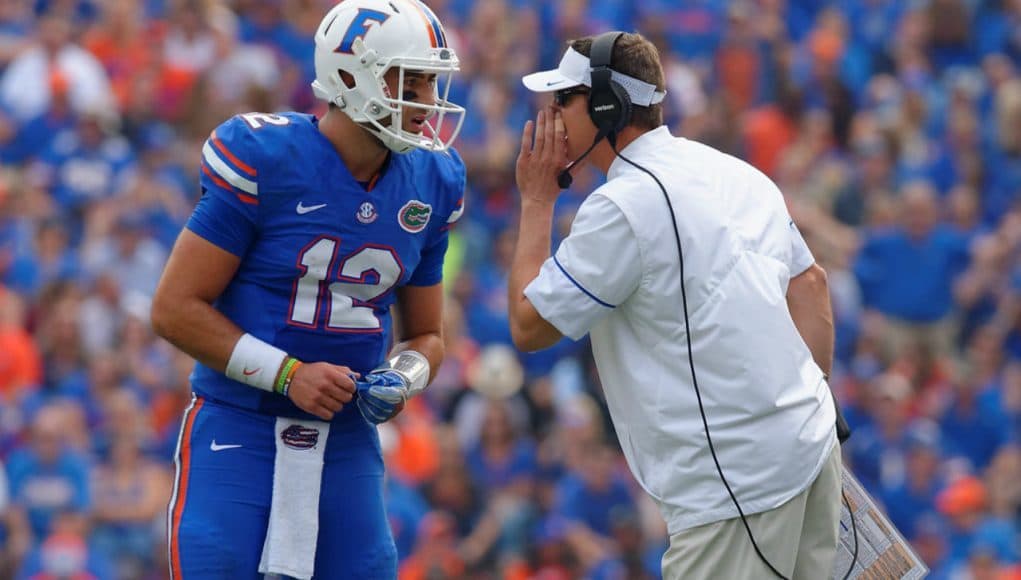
(321,254)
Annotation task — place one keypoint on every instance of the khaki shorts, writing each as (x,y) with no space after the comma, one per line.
(799,538)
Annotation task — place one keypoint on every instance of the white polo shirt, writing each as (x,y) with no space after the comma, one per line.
(617,277)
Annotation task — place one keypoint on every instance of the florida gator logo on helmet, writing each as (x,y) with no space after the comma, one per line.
(414,216)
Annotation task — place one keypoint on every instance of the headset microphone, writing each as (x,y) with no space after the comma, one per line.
(564,178)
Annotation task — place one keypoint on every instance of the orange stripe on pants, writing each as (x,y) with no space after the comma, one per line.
(182,491)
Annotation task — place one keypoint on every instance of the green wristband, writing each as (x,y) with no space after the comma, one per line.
(282,383)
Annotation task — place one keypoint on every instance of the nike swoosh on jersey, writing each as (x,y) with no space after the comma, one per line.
(214,447)
(304,209)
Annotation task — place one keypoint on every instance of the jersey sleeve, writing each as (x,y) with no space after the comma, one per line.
(801,256)
(227,213)
(596,268)
(458,184)
(452,178)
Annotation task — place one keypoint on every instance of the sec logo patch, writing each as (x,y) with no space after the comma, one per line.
(367,213)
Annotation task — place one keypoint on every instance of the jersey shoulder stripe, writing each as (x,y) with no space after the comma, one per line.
(223,150)
(246,198)
(229,159)
(219,168)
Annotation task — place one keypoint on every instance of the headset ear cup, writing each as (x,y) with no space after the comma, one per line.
(624,117)
(602,107)
(609,106)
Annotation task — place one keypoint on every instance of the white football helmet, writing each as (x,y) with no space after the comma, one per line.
(366,38)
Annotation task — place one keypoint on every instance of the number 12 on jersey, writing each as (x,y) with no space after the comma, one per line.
(362,276)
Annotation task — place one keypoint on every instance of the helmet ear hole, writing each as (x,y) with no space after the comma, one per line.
(347,79)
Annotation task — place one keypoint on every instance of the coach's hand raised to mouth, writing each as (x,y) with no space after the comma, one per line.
(541,158)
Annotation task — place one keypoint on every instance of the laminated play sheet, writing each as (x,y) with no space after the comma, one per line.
(883,554)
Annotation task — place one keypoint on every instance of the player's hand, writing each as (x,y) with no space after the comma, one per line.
(541,159)
(381,395)
(322,388)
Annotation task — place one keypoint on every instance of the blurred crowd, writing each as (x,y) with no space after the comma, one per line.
(892,126)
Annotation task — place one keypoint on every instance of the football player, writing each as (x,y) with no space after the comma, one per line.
(280,286)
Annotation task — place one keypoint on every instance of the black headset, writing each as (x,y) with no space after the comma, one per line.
(609,107)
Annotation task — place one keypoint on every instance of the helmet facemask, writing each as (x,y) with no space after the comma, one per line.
(393,134)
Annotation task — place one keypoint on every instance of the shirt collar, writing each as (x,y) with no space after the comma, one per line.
(648,141)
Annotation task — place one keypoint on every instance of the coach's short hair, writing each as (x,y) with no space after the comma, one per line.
(636,57)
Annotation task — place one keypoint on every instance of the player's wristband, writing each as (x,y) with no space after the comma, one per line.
(255,363)
(414,367)
(286,375)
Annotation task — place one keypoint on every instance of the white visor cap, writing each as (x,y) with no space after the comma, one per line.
(575,69)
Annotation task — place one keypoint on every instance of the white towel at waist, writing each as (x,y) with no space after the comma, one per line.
(290,547)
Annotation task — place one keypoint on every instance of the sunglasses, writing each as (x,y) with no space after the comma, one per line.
(563,95)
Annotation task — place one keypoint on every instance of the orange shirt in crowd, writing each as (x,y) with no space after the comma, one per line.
(768,133)
(416,456)
(435,550)
(738,70)
(20,363)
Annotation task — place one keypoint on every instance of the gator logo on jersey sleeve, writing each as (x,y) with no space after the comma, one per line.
(414,216)
(300,437)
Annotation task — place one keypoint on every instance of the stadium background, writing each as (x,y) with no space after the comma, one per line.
(893,128)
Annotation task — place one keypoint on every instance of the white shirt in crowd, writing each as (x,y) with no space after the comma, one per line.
(25,86)
(617,277)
